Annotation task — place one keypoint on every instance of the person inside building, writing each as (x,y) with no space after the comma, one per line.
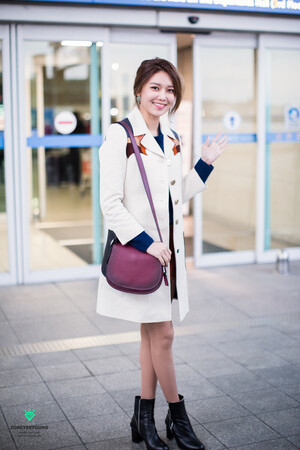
(124,203)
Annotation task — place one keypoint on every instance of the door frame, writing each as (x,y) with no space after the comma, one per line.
(8,73)
(222,39)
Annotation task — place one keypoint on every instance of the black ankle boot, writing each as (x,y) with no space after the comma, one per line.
(178,425)
(143,425)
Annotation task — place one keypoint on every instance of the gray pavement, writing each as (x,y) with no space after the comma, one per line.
(237,357)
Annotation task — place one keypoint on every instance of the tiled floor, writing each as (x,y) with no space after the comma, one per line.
(237,357)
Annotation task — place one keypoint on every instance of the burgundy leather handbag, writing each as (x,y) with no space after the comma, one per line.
(126,268)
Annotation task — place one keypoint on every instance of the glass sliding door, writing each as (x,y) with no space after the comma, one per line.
(282,220)
(62,80)
(225,88)
(280,147)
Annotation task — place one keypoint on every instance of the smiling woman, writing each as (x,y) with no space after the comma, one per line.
(124,203)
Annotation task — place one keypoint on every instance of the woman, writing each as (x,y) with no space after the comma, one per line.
(158,90)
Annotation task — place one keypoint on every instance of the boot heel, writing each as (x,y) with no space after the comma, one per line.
(135,436)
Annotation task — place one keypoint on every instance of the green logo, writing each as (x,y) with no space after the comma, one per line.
(29,414)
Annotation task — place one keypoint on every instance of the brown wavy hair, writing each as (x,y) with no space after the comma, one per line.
(149,67)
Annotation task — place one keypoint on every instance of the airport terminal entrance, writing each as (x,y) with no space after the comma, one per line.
(69,83)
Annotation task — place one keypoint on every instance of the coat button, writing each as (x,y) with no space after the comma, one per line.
(177,222)
(178,250)
(169,162)
(173,182)
(176,202)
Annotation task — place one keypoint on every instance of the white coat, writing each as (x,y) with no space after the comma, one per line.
(125,206)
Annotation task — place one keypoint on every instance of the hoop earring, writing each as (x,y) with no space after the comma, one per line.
(138,99)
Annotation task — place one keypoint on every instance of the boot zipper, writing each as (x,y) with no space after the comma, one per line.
(139,416)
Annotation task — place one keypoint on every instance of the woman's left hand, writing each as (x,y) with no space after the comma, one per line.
(212,151)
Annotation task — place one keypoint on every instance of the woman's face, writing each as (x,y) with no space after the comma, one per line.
(157,95)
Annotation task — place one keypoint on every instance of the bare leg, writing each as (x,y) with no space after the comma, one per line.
(161,337)
(148,375)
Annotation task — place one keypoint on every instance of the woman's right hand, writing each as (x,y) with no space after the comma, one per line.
(161,252)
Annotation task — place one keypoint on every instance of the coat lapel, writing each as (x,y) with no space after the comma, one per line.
(148,141)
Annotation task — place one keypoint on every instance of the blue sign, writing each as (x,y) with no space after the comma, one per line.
(256,6)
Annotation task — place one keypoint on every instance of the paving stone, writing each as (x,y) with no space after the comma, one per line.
(240,382)
(192,354)
(185,373)
(129,348)
(107,325)
(14,293)
(286,422)
(110,365)
(125,398)
(87,406)
(64,371)
(220,336)
(241,431)
(105,351)
(280,376)
(80,290)
(279,342)
(58,434)
(198,390)
(258,359)
(258,332)
(274,444)
(44,413)
(124,443)
(52,358)
(295,440)
(100,428)
(292,391)
(75,387)
(6,440)
(209,441)
(135,358)
(17,395)
(116,381)
(33,307)
(216,366)
(238,347)
(15,362)
(53,328)
(7,334)
(291,355)
(2,316)
(191,341)
(215,409)
(265,400)
(75,447)
(16,377)
(3,424)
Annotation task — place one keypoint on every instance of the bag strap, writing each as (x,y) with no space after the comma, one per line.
(128,128)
